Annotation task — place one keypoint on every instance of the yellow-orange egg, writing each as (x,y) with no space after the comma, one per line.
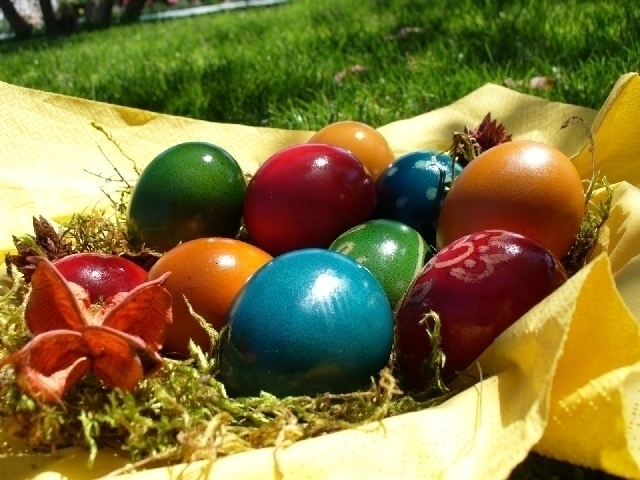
(364,141)
(522,186)
(209,272)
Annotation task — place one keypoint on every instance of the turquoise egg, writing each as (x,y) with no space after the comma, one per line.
(412,188)
(308,322)
(392,251)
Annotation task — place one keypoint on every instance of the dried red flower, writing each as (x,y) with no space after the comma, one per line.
(488,134)
(120,343)
(472,142)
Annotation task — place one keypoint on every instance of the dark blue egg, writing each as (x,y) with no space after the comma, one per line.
(308,322)
(412,188)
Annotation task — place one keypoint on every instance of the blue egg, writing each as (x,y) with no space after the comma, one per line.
(308,322)
(412,188)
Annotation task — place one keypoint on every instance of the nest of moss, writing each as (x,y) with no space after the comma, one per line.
(182,413)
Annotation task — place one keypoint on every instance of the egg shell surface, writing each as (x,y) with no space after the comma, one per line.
(478,285)
(392,251)
(521,186)
(308,322)
(364,141)
(209,272)
(412,188)
(191,190)
(305,196)
(101,275)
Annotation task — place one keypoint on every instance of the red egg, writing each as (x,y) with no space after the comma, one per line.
(102,275)
(306,196)
(479,285)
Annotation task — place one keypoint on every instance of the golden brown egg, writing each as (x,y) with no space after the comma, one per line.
(521,186)
(364,141)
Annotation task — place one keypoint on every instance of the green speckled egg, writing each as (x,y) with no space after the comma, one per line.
(393,252)
(191,190)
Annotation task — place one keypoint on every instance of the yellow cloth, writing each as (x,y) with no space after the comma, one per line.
(565,378)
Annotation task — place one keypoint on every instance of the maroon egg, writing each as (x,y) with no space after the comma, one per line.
(306,196)
(102,275)
(478,285)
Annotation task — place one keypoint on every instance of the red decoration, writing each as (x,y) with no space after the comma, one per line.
(119,343)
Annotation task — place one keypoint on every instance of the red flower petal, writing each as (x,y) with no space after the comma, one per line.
(144,312)
(115,355)
(54,303)
(50,364)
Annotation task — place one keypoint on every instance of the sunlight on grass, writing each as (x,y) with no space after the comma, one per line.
(276,66)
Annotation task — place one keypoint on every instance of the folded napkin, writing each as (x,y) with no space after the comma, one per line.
(563,381)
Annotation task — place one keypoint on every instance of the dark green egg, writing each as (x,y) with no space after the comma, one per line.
(188,191)
(393,252)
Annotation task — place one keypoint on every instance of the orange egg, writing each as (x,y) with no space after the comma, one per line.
(209,272)
(522,186)
(364,141)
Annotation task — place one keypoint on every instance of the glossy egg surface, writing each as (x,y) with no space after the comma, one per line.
(309,322)
(209,272)
(102,275)
(412,189)
(364,141)
(521,186)
(190,190)
(305,196)
(478,285)
(391,250)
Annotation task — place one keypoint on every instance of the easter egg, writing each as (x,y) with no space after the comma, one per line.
(412,189)
(392,251)
(209,272)
(101,275)
(364,141)
(305,196)
(521,186)
(478,285)
(308,322)
(190,190)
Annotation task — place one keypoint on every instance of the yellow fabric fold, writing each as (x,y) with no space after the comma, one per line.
(616,134)
(563,381)
(57,151)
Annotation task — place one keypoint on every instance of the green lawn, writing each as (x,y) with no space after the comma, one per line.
(276,66)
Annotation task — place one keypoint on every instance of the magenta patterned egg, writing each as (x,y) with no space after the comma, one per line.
(478,286)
